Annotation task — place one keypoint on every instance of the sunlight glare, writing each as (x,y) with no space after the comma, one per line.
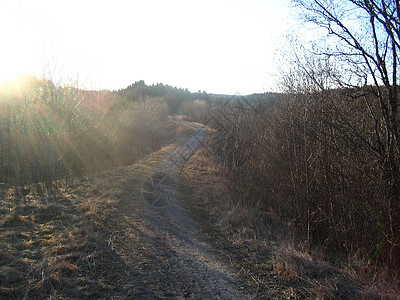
(11,69)
(218,46)
(17,49)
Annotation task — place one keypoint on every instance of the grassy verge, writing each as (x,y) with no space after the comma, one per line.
(260,245)
(55,247)
(73,244)
(203,193)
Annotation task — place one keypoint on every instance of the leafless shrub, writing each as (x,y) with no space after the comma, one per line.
(196,110)
(326,156)
(50,134)
(306,158)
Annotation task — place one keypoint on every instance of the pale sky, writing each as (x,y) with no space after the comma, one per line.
(221,46)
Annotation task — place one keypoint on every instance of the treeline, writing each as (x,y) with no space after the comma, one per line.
(50,134)
(173,96)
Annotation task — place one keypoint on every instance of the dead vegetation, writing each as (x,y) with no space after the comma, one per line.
(87,240)
(69,244)
(53,247)
(51,134)
(273,258)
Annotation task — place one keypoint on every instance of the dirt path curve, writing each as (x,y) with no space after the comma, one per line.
(179,262)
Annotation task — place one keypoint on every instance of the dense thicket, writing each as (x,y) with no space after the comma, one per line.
(326,157)
(305,157)
(49,132)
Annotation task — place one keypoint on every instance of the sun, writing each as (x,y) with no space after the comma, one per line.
(11,67)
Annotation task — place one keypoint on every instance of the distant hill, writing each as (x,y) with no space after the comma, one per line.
(139,91)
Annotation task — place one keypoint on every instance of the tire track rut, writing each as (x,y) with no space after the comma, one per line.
(180,263)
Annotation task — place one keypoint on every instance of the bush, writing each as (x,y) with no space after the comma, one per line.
(305,157)
(49,132)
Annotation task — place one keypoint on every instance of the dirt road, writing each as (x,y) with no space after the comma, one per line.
(173,257)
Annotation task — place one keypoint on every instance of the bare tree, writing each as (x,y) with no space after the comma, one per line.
(364,38)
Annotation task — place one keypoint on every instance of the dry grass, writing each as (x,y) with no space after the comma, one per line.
(68,245)
(273,256)
(52,247)
(82,241)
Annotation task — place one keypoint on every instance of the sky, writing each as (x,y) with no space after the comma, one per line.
(220,46)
